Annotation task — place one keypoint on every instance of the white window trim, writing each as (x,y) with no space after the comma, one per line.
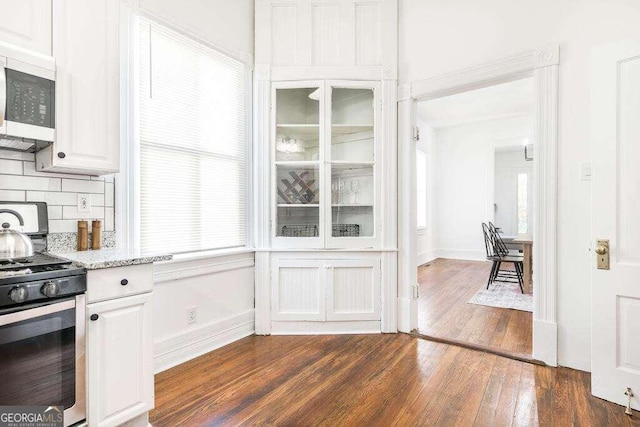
(127,211)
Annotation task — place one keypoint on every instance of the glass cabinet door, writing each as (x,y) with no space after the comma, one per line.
(352,154)
(298,158)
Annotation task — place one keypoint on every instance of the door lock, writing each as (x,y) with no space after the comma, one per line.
(602,251)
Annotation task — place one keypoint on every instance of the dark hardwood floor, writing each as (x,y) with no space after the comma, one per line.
(446,286)
(372,380)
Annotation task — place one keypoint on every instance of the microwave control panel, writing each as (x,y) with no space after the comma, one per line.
(30,99)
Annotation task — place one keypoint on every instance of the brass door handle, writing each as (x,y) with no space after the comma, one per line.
(601,250)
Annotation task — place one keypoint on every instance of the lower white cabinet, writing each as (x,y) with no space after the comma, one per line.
(325,289)
(119,360)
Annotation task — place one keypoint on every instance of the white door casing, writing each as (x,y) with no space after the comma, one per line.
(615,210)
(542,64)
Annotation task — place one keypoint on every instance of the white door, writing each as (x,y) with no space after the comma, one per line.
(119,360)
(615,298)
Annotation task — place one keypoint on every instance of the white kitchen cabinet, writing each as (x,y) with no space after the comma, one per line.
(325,289)
(85,47)
(119,360)
(27,24)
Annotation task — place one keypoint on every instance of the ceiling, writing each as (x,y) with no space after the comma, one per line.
(493,102)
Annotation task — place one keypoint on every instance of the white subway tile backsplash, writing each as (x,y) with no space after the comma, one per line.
(55,212)
(18,182)
(71,212)
(80,186)
(11,167)
(109,216)
(53,198)
(109,191)
(63,226)
(12,195)
(16,155)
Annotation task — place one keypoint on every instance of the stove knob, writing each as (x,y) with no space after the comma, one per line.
(18,294)
(50,289)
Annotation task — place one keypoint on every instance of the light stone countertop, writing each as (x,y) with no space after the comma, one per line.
(111,257)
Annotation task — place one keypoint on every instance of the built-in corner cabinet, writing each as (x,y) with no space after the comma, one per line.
(325,166)
(85,48)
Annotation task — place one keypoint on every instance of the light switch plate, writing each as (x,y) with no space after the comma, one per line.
(84,203)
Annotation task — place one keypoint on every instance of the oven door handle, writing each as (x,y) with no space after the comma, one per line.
(19,316)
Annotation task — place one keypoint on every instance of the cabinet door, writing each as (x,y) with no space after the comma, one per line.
(119,360)
(297,173)
(353,290)
(85,45)
(26,23)
(352,151)
(298,289)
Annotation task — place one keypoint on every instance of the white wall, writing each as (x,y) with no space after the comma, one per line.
(464,182)
(438,37)
(425,242)
(222,288)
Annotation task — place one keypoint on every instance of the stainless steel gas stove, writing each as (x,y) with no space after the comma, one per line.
(42,317)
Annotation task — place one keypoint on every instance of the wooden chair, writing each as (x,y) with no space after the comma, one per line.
(498,253)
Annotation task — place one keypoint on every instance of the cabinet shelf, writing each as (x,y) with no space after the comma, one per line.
(344,129)
(350,205)
(300,205)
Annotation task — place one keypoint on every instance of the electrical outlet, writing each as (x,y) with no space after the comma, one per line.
(192,315)
(84,203)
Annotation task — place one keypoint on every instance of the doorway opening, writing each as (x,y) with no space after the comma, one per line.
(475,195)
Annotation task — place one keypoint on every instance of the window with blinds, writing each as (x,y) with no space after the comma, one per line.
(191,114)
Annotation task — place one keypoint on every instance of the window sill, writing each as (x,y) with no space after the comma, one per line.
(212,254)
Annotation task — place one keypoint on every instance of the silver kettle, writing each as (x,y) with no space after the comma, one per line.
(13,243)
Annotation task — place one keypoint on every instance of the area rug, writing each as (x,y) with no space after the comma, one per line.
(503,295)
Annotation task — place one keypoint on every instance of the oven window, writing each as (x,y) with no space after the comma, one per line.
(38,360)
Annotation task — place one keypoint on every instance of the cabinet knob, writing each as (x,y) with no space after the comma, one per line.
(124,282)
(94,317)
(61,155)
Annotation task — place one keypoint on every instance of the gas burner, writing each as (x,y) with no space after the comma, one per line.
(16,261)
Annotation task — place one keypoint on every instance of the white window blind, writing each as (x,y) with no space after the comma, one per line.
(192,126)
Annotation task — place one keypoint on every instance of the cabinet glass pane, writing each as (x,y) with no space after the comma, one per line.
(352,197)
(298,198)
(352,114)
(297,124)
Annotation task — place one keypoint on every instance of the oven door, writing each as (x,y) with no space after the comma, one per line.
(42,358)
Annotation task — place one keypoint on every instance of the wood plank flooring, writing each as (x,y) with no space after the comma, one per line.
(372,380)
(446,286)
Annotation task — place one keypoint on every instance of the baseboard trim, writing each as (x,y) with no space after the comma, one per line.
(326,328)
(463,254)
(179,348)
(545,342)
(522,357)
(425,257)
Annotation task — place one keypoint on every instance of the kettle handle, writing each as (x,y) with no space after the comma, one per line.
(14,213)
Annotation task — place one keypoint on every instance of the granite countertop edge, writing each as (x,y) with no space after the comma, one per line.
(95,260)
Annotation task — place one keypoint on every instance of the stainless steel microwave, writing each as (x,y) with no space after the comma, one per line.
(27,99)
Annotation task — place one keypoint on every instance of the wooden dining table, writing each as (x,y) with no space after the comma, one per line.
(527,241)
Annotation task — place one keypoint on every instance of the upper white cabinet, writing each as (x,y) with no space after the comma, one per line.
(325,175)
(26,23)
(360,35)
(85,47)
